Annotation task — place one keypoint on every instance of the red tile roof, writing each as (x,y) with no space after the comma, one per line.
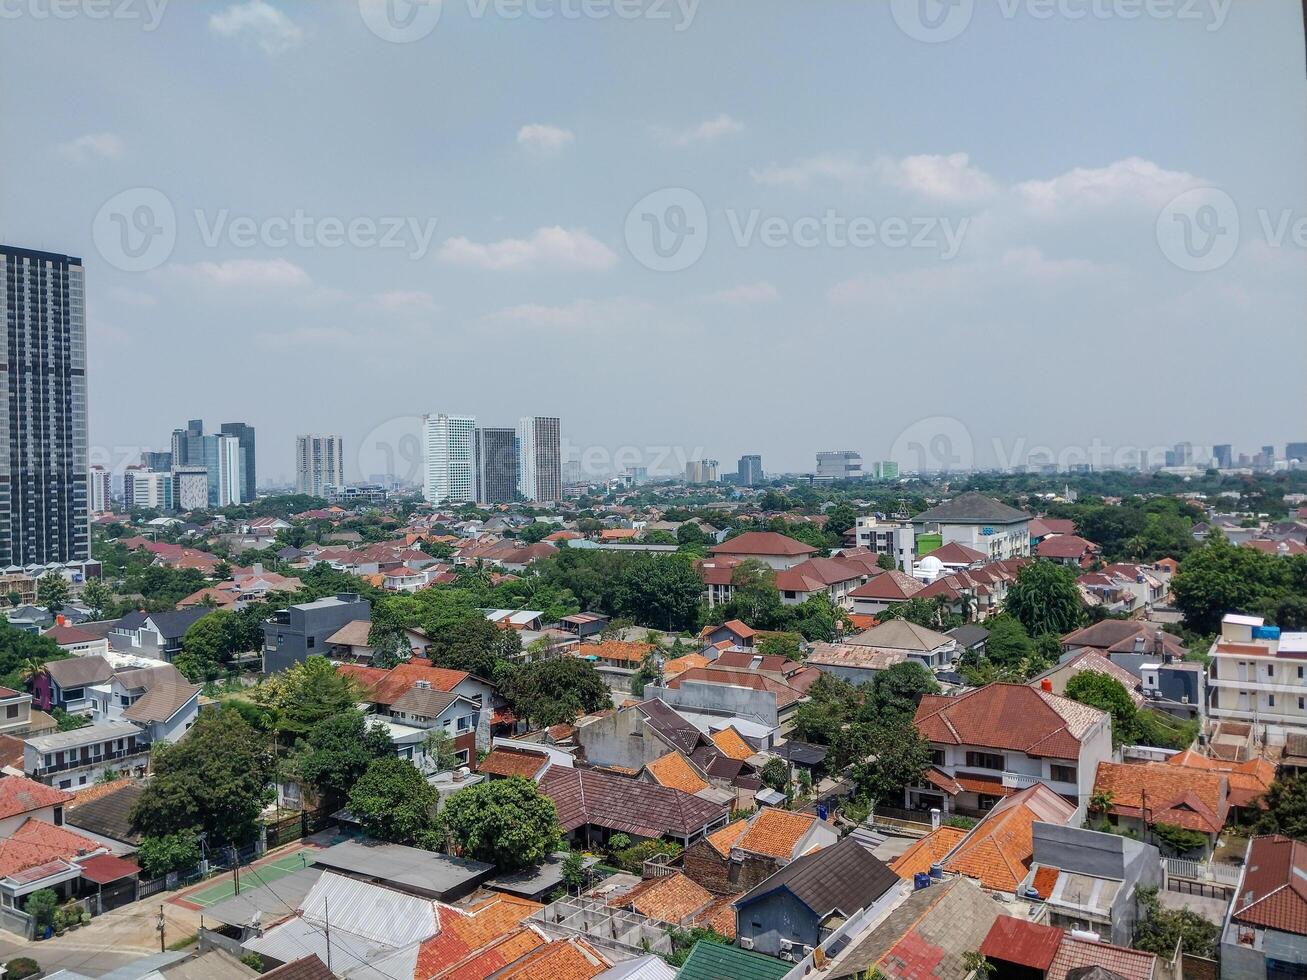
(762,543)
(1028,944)
(105,868)
(38,843)
(1274,890)
(1008,716)
(18,794)
(400,679)
(892,585)
(1191,798)
(512,762)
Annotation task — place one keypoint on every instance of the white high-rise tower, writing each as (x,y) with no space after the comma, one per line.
(449,457)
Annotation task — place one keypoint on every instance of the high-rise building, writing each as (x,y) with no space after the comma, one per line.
(497,465)
(190,487)
(44,470)
(1223,455)
(244,433)
(147,489)
(449,458)
(844,464)
(319,464)
(887,469)
(701,471)
(540,459)
(188,444)
(161,462)
(749,471)
(1296,450)
(101,490)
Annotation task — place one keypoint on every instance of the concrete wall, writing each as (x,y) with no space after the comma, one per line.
(720,700)
(621,739)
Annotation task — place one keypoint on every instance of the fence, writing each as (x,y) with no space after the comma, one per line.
(1202,871)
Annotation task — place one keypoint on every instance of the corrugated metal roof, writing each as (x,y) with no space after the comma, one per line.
(372,912)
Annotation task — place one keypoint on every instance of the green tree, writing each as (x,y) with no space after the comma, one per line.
(1045,598)
(1221,578)
(1159,929)
(780,644)
(216,779)
(1286,809)
(555,692)
(776,774)
(393,801)
(505,822)
(52,591)
(439,746)
(97,596)
(307,693)
(336,752)
(172,852)
(574,871)
(896,691)
(894,756)
(41,905)
(1107,694)
(886,562)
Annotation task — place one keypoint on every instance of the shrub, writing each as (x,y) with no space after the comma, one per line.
(41,906)
(21,967)
(632,858)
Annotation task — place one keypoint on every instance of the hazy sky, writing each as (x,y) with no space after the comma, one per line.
(734,226)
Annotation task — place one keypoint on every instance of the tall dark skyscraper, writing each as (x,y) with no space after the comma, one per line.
(44,470)
(245,433)
(497,465)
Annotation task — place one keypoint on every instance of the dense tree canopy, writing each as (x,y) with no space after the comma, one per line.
(1045,599)
(1220,578)
(336,752)
(505,822)
(555,692)
(393,802)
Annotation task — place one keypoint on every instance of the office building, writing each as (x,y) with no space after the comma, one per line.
(1296,450)
(44,471)
(100,490)
(188,444)
(319,464)
(844,464)
(540,459)
(449,458)
(698,471)
(637,476)
(1223,456)
(162,462)
(190,488)
(749,471)
(244,434)
(497,465)
(147,489)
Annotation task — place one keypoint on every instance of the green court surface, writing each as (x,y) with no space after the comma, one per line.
(224,886)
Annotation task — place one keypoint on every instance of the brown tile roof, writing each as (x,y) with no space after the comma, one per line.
(775,833)
(1008,716)
(354,633)
(37,842)
(388,689)
(675,771)
(1275,886)
(18,795)
(512,762)
(626,805)
(164,697)
(1131,964)
(785,694)
(305,968)
(565,959)
(669,899)
(724,839)
(719,916)
(954,553)
(1191,798)
(762,543)
(892,585)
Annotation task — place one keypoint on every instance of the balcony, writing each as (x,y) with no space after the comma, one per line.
(1019,780)
(141,752)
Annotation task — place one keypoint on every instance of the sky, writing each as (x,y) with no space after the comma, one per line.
(944,232)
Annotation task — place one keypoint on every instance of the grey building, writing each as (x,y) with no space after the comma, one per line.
(190,487)
(540,459)
(1265,930)
(319,464)
(844,464)
(1223,454)
(802,903)
(749,471)
(158,461)
(244,434)
(44,471)
(497,465)
(296,633)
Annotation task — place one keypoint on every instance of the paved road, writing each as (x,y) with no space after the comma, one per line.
(110,941)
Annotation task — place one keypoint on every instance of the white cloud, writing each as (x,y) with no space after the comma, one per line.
(544,139)
(404,302)
(749,294)
(947,179)
(836,168)
(259,23)
(247,274)
(105,146)
(580,314)
(1132,182)
(705,132)
(555,248)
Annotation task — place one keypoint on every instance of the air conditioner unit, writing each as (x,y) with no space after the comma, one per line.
(789,957)
(786,945)
(746,942)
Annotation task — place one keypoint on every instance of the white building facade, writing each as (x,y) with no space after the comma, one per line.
(319,464)
(449,458)
(540,459)
(1257,673)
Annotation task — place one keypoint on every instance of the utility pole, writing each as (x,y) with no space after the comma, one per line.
(162,942)
(326,915)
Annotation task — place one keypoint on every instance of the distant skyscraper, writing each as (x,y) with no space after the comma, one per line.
(161,462)
(226,474)
(844,464)
(188,444)
(449,458)
(190,487)
(887,469)
(1296,450)
(699,471)
(540,459)
(1223,454)
(44,468)
(147,489)
(101,496)
(749,471)
(319,464)
(497,465)
(245,434)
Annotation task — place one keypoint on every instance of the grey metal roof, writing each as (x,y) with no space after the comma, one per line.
(409,869)
(99,732)
(969,634)
(843,876)
(271,903)
(971,508)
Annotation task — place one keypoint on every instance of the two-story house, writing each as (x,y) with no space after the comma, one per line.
(1266,929)
(384,689)
(155,635)
(994,741)
(292,635)
(69,760)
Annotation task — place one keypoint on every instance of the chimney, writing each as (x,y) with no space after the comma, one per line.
(60,619)
(1046,685)
(258,568)
(934,818)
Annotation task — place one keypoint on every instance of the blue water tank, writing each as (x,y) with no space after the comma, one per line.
(937,871)
(920,880)
(1266,632)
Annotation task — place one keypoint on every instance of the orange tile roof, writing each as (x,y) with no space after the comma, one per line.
(731,744)
(931,849)
(619,650)
(669,899)
(682,664)
(569,959)
(719,916)
(775,833)
(1248,781)
(1044,880)
(1186,797)
(481,963)
(387,687)
(464,933)
(1008,716)
(512,762)
(37,842)
(18,794)
(724,839)
(674,770)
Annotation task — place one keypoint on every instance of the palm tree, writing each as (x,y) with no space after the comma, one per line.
(1101,801)
(30,669)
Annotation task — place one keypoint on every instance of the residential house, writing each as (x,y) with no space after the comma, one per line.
(934,651)
(1042,527)
(157,636)
(293,634)
(70,685)
(970,637)
(68,760)
(1123,588)
(105,811)
(385,688)
(855,664)
(717,575)
(633,737)
(158,699)
(747,851)
(799,906)
(834,578)
(882,591)
(775,550)
(954,556)
(710,960)
(1248,781)
(714,692)
(992,742)
(425,708)
(351,642)
(1021,948)
(1130,643)
(1265,932)
(980,523)
(594,805)
(1258,674)
(15,712)
(1055,679)
(583,625)
(1146,796)
(78,642)
(736,633)
(1068,549)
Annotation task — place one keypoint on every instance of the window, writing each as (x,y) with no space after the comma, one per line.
(1270,700)
(937,757)
(789,593)
(312,641)
(1062,774)
(985,760)
(1270,670)
(463,723)
(1299,673)
(11,711)
(1300,704)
